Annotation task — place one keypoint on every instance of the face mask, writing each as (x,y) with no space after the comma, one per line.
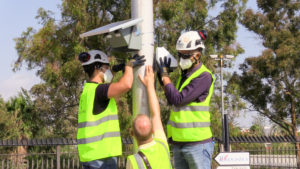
(185,63)
(108,76)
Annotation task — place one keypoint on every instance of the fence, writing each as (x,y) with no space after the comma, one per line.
(58,153)
(268,152)
(61,153)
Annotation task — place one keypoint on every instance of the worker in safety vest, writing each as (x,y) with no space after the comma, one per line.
(188,127)
(98,134)
(153,149)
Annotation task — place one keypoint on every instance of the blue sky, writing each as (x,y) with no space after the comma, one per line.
(16,16)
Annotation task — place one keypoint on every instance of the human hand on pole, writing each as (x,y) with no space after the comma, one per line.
(163,69)
(164,66)
(136,61)
(148,79)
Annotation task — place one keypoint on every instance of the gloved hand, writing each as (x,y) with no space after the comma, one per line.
(118,67)
(163,69)
(167,62)
(136,60)
(164,66)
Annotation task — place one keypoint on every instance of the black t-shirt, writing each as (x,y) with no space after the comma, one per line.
(101,100)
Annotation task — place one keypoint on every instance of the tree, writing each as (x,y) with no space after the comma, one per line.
(257,128)
(20,120)
(278,131)
(270,82)
(5,121)
(53,49)
(17,117)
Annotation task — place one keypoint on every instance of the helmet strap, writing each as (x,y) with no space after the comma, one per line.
(195,60)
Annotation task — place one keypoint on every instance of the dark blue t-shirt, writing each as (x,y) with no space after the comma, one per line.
(101,100)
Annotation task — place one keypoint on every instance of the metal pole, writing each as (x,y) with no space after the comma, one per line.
(222,104)
(142,9)
(225,133)
(57,157)
(227,141)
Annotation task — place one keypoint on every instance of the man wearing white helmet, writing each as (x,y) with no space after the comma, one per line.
(98,134)
(188,127)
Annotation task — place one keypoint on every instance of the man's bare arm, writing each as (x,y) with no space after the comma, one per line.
(123,85)
(148,81)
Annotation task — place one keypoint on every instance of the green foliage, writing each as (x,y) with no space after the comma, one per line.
(19,118)
(216,117)
(256,130)
(6,121)
(173,17)
(270,82)
(53,50)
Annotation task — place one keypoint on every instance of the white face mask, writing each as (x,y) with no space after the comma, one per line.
(185,63)
(108,76)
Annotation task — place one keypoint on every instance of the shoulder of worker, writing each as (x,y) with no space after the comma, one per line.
(160,135)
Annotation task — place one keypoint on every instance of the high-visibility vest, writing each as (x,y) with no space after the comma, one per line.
(191,122)
(158,156)
(98,136)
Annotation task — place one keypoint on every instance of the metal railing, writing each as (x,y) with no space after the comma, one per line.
(39,161)
(60,153)
(48,160)
(276,152)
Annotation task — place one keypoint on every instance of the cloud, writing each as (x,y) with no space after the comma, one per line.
(11,86)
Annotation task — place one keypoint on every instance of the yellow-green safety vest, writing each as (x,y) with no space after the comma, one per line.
(158,156)
(98,136)
(191,122)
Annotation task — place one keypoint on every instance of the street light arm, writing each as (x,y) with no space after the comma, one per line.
(214,56)
(229,56)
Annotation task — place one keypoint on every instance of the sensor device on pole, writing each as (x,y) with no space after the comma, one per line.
(123,36)
(161,52)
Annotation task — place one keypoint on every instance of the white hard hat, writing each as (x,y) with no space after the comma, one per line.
(93,56)
(191,40)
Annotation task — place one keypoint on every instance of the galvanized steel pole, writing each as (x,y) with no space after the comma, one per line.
(225,133)
(142,9)
(225,126)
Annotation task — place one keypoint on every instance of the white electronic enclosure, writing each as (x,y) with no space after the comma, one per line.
(123,36)
(161,52)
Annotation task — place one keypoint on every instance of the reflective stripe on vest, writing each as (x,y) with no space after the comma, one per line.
(190,108)
(191,122)
(98,136)
(188,125)
(139,161)
(98,122)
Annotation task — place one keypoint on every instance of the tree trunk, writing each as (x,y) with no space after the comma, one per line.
(297,149)
(294,123)
(21,154)
(21,157)
(298,155)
